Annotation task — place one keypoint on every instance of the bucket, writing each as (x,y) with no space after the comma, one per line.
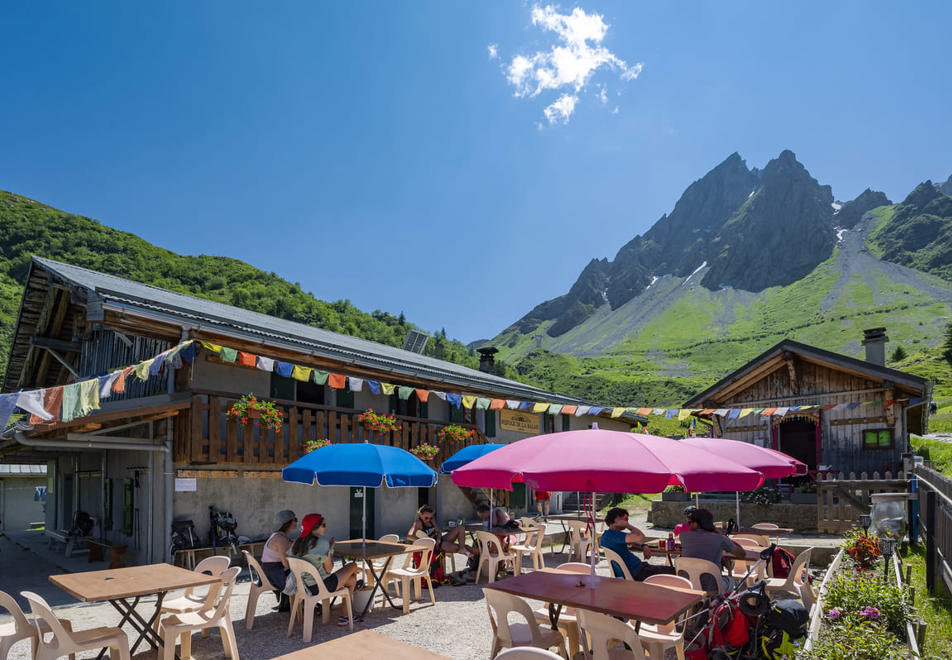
(361,598)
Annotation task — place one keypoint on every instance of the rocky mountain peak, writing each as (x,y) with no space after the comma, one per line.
(852,212)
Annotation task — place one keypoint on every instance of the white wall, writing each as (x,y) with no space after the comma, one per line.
(230,378)
(19,509)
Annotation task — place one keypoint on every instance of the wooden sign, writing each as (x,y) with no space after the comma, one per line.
(522,421)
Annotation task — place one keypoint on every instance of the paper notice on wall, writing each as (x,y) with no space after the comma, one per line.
(186,485)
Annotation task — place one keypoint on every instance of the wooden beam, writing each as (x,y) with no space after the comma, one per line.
(56,344)
(69,367)
(789,359)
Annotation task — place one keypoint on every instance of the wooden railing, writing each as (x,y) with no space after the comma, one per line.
(210,436)
(841,499)
(934,523)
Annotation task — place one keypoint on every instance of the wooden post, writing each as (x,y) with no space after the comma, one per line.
(930,540)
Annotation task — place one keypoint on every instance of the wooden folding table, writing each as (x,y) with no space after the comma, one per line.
(370,550)
(124,587)
(362,645)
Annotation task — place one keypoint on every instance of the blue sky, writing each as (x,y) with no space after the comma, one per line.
(389,152)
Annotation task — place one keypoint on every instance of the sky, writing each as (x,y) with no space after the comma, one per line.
(458,162)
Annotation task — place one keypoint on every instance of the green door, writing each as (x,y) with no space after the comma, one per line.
(356,508)
(518,498)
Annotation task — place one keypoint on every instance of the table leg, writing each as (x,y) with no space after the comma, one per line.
(565,536)
(143,627)
(555,609)
(377,584)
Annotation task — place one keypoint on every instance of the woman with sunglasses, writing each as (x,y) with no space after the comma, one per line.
(274,557)
(313,547)
(452,541)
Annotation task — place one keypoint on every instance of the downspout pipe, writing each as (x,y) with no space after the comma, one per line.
(86,444)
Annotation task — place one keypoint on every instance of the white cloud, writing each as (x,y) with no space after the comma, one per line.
(493,51)
(567,66)
(560,111)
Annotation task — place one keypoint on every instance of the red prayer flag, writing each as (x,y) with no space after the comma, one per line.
(498,404)
(422,395)
(566,410)
(247,359)
(337,381)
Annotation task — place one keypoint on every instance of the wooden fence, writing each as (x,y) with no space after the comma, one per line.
(209,436)
(841,500)
(934,523)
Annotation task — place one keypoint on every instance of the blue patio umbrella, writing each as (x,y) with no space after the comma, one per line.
(465,455)
(360,464)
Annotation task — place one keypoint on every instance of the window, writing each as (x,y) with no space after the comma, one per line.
(282,388)
(566,422)
(490,419)
(877,439)
(456,414)
(310,392)
(548,423)
(345,398)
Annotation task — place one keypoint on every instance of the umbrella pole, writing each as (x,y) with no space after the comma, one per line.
(591,518)
(697,500)
(737,506)
(363,520)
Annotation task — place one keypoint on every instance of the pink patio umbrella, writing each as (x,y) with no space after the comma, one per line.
(769,462)
(595,460)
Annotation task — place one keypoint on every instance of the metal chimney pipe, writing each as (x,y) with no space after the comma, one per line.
(487,360)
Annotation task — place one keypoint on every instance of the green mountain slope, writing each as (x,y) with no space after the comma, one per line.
(28,227)
(919,232)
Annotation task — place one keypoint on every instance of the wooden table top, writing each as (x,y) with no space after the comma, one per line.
(362,645)
(649,603)
(660,548)
(783,531)
(356,549)
(117,583)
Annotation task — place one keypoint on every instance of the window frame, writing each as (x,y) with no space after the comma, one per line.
(878,444)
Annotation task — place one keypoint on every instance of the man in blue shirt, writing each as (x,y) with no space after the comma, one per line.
(618,536)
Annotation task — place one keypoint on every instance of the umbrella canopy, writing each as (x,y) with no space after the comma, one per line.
(595,460)
(465,455)
(360,464)
(769,462)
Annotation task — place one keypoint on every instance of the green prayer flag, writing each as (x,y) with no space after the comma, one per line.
(228,354)
(404,392)
(320,377)
(482,404)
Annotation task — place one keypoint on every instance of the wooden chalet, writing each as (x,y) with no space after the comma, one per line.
(861,412)
(165,449)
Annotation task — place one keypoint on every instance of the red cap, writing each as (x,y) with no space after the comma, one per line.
(310,521)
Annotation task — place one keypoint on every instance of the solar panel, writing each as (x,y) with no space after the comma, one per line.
(415,341)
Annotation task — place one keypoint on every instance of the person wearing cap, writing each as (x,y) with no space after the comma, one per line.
(686,525)
(313,547)
(274,557)
(703,541)
(619,535)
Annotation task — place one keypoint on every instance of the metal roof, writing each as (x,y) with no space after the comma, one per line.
(7,470)
(213,316)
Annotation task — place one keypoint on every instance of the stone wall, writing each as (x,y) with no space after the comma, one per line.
(800,517)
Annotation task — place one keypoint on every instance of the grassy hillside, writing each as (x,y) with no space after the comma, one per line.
(29,228)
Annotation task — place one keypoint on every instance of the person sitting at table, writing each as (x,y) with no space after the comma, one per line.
(686,525)
(703,541)
(618,536)
(452,541)
(274,556)
(499,517)
(313,547)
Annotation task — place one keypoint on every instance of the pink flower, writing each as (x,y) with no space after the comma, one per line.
(834,613)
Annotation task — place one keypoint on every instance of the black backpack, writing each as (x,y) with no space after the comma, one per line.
(183,535)
(789,616)
(82,524)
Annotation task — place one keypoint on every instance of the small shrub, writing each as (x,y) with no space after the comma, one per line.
(861,598)
(763,495)
(867,641)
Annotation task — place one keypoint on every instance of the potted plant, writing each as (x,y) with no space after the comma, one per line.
(454,433)
(250,409)
(804,494)
(311,445)
(863,549)
(425,451)
(376,422)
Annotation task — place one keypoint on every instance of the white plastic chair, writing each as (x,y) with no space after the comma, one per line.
(531,546)
(259,585)
(767,527)
(602,633)
(405,578)
(693,569)
(214,614)
(304,601)
(761,540)
(509,635)
(657,637)
(378,564)
(579,542)
(67,642)
(742,565)
(491,554)
(191,601)
(568,624)
(797,582)
(612,556)
(21,628)
(527,653)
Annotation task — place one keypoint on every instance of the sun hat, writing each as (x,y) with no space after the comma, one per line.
(282,518)
(309,522)
(704,519)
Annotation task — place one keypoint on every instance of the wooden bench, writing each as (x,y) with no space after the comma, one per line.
(117,553)
(188,556)
(64,537)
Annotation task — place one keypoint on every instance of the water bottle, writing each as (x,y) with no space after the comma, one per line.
(670,541)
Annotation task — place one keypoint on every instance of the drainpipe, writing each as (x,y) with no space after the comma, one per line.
(76,445)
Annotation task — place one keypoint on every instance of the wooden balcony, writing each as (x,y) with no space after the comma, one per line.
(206,435)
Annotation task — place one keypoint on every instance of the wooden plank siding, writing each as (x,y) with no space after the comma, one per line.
(105,351)
(841,499)
(211,437)
(841,428)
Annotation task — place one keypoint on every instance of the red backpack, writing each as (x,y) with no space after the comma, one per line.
(782,562)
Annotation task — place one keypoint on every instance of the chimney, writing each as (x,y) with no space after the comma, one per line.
(874,339)
(487,362)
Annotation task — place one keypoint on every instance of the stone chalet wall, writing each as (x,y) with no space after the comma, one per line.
(800,517)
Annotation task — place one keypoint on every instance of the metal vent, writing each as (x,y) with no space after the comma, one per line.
(415,341)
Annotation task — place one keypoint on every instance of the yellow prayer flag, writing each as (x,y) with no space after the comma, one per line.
(89,395)
(142,369)
(684,413)
(540,407)
(469,401)
(388,388)
(212,347)
(617,412)
(300,373)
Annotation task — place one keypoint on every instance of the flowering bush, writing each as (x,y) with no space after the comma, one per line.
(425,451)
(763,495)
(252,409)
(454,433)
(862,548)
(311,445)
(377,422)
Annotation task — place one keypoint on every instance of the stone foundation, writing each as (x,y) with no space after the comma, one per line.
(800,517)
